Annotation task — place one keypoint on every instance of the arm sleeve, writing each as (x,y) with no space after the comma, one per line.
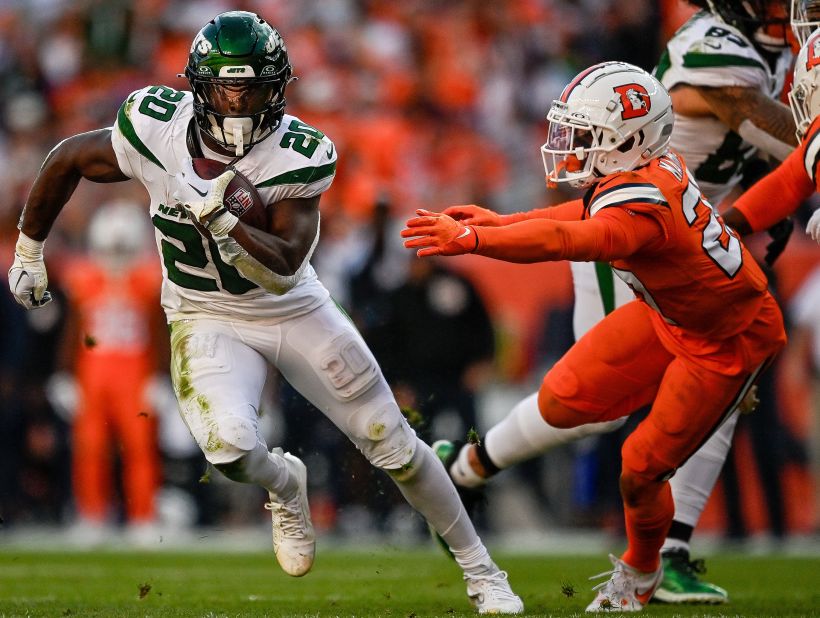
(567,211)
(776,195)
(612,234)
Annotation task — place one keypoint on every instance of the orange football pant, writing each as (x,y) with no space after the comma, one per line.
(112,415)
(618,367)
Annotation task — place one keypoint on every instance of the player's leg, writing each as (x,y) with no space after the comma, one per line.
(91,463)
(691,487)
(218,381)
(524,433)
(690,404)
(136,432)
(326,360)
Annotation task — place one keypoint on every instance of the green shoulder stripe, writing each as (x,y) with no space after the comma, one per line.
(663,65)
(695,60)
(302,176)
(127,129)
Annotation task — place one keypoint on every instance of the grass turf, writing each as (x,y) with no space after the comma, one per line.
(381,582)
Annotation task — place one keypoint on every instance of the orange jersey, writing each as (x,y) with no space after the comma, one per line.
(782,191)
(663,238)
(115,312)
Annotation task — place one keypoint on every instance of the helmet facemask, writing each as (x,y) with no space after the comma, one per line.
(804,97)
(805,18)
(571,148)
(236,112)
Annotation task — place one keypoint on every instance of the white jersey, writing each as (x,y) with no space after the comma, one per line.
(710,53)
(296,161)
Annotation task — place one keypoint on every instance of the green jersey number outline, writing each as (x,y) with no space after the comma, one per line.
(160,107)
(302,138)
(193,254)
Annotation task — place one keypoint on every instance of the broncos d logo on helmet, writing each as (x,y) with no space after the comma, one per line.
(813,49)
(635,101)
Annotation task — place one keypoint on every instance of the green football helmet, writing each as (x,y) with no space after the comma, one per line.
(238,68)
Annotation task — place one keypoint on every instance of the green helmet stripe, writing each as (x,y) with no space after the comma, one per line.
(302,176)
(127,129)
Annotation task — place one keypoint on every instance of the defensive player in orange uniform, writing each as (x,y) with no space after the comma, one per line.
(703,324)
(116,331)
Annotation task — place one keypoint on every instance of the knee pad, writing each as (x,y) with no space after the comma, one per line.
(382,434)
(230,437)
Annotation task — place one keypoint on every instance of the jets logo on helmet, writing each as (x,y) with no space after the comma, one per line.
(634,100)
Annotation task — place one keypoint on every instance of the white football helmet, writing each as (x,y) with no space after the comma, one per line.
(803,97)
(118,233)
(805,18)
(612,117)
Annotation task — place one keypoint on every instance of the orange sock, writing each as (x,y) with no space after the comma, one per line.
(646,526)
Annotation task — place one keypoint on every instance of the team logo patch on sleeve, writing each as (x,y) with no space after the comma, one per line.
(635,101)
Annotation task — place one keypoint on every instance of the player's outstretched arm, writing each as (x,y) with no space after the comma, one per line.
(471,214)
(758,119)
(88,155)
(610,235)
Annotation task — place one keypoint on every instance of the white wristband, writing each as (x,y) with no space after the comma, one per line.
(28,248)
(222,224)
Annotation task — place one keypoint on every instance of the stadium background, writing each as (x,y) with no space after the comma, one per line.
(429,104)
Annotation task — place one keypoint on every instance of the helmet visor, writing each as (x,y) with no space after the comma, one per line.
(566,154)
(246,98)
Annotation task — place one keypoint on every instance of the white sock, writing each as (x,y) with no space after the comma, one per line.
(524,434)
(462,472)
(268,470)
(693,482)
(430,491)
(670,544)
(475,560)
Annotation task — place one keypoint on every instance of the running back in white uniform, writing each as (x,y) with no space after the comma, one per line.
(296,161)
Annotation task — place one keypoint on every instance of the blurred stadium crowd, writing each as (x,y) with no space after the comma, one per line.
(429,104)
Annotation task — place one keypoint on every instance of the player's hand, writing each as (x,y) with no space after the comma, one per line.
(471,214)
(780,233)
(813,226)
(28,278)
(438,234)
(203,199)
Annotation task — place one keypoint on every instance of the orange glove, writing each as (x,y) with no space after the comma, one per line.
(438,234)
(474,215)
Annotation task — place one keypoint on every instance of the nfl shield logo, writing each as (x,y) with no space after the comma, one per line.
(239,201)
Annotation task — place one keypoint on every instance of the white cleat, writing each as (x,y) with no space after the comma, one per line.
(294,541)
(627,589)
(491,594)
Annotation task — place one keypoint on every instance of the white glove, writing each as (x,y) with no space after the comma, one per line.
(63,395)
(202,199)
(813,226)
(28,279)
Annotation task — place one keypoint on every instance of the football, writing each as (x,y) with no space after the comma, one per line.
(241,197)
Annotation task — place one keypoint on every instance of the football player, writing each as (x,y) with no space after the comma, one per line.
(781,193)
(724,69)
(237,298)
(676,346)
